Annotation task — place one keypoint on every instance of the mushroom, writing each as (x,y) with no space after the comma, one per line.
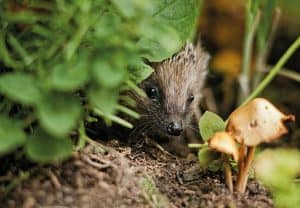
(253,123)
(224,142)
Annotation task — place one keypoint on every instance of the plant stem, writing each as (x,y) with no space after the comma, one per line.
(82,137)
(290,74)
(114,118)
(247,54)
(284,72)
(264,51)
(244,171)
(128,111)
(274,70)
(197,145)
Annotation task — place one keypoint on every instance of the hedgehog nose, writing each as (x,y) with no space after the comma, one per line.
(174,128)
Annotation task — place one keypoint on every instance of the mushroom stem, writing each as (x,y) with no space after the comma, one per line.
(228,173)
(244,170)
(242,154)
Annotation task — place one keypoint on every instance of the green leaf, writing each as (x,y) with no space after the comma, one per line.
(108,75)
(210,123)
(265,23)
(58,113)
(181,15)
(130,8)
(41,147)
(209,159)
(70,77)
(278,169)
(159,41)
(142,72)
(110,22)
(104,99)
(271,165)
(11,135)
(126,7)
(20,87)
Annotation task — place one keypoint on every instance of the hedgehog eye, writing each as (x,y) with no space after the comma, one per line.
(152,93)
(191,98)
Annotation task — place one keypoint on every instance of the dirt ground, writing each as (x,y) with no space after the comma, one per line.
(124,176)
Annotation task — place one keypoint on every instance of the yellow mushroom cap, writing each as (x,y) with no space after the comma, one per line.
(225,143)
(256,122)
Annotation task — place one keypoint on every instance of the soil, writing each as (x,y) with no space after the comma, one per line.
(124,176)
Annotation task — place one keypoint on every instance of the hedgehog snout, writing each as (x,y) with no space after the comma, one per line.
(175,128)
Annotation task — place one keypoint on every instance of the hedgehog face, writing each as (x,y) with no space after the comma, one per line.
(173,93)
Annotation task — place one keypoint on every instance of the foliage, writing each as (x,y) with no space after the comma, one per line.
(61,60)
(278,169)
(258,24)
(209,159)
(210,123)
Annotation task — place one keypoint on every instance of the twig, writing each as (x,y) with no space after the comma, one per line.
(150,141)
(99,166)
(16,181)
(54,179)
(100,147)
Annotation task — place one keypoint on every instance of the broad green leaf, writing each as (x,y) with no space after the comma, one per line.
(210,123)
(70,77)
(104,99)
(58,113)
(20,87)
(209,159)
(41,147)
(108,75)
(142,72)
(130,8)
(11,135)
(159,41)
(180,14)
(126,7)
(110,22)
(133,8)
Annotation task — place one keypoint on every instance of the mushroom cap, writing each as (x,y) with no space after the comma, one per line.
(256,122)
(224,142)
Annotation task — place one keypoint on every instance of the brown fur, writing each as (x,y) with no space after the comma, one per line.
(176,79)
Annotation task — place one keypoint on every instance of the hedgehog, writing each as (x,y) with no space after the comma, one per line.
(174,91)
